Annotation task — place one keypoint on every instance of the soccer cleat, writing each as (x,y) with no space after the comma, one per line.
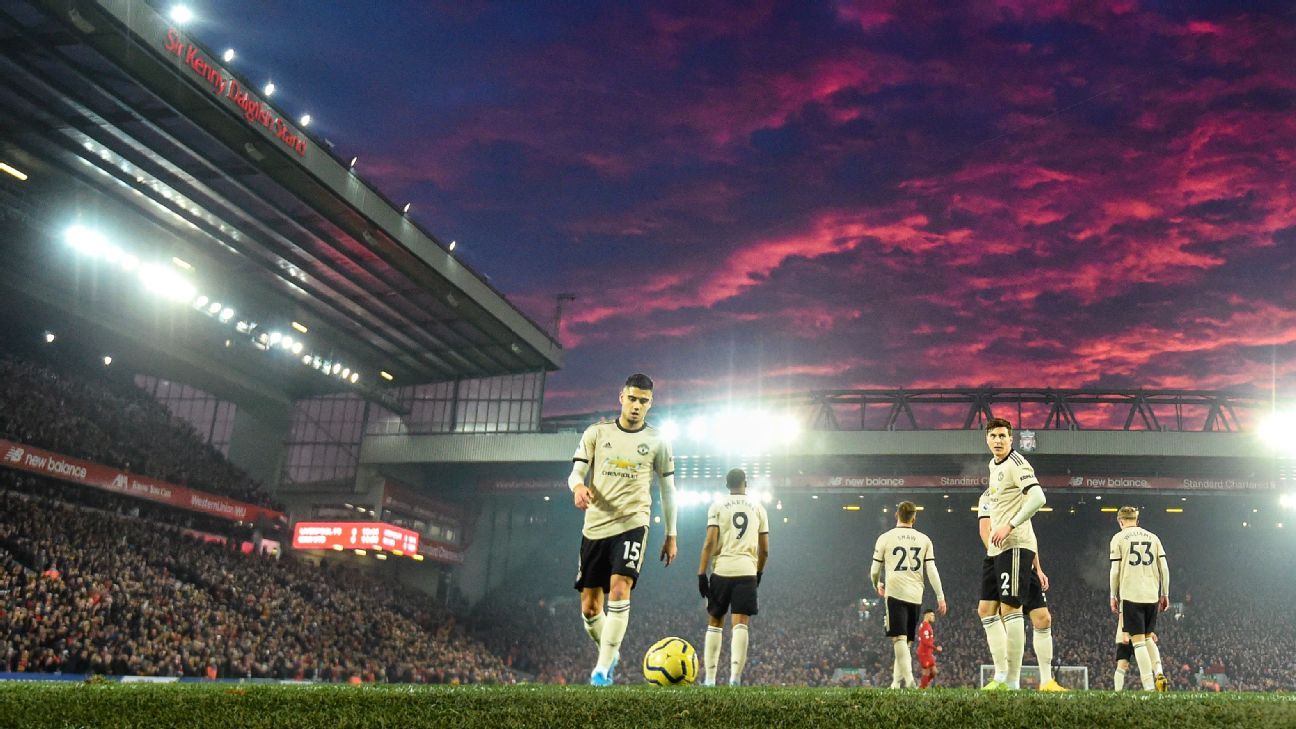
(1162,683)
(735,682)
(995,686)
(1053,685)
(600,678)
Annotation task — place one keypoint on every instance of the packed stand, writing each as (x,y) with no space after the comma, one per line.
(115,424)
(812,623)
(85,590)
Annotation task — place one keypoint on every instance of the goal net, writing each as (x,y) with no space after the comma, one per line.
(1071,677)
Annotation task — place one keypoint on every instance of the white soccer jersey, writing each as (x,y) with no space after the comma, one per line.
(623,462)
(1144,575)
(1009,480)
(741,520)
(906,555)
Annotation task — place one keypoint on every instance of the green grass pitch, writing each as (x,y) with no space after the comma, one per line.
(230,706)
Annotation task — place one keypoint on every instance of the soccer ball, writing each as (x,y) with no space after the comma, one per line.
(671,662)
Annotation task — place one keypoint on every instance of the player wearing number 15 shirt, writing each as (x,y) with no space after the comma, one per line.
(735,550)
(905,555)
(623,456)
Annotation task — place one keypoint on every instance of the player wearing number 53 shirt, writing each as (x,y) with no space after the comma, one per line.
(736,547)
(905,555)
(623,456)
(1140,585)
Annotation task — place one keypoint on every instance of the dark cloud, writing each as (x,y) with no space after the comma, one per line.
(786,196)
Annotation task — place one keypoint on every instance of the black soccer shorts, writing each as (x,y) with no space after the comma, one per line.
(901,619)
(621,554)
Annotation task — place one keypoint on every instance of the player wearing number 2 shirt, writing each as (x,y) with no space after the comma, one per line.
(735,550)
(905,555)
(623,456)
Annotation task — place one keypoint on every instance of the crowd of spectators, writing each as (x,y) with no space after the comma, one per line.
(114,424)
(85,590)
(1227,622)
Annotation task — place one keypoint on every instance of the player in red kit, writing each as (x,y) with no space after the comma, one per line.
(927,649)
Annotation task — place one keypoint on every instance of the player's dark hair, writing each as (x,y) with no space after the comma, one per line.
(736,479)
(906,511)
(993,423)
(929,610)
(639,381)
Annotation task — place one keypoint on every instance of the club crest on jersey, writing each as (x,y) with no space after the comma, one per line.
(607,444)
(1026,441)
(642,449)
(1001,475)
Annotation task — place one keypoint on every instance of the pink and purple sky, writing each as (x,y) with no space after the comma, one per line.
(763,197)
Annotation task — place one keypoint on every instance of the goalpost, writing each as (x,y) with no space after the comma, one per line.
(1072,677)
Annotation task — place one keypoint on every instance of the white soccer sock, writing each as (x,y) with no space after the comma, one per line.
(1118,679)
(1043,644)
(614,628)
(594,627)
(899,648)
(997,639)
(906,665)
(1154,652)
(1145,665)
(1016,644)
(737,654)
(711,654)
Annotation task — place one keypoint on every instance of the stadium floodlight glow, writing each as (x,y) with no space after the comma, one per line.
(381,556)
(1286,501)
(181,14)
(129,262)
(226,314)
(346,372)
(406,208)
(305,120)
(697,429)
(355,377)
(200,302)
(228,55)
(670,430)
(386,375)
(297,348)
(49,339)
(182,263)
(13,172)
(1278,431)
(269,89)
(166,283)
(453,244)
(337,547)
(86,241)
(107,360)
(214,308)
(275,338)
(352,163)
(287,342)
(418,558)
(300,327)
(336,368)
(306,360)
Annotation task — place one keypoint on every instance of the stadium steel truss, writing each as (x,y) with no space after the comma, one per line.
(969,408)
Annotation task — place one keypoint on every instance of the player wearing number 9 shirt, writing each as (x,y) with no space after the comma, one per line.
(736,547)
(623,455)
(905,554)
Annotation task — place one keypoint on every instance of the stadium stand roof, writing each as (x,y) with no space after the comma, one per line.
(122,123)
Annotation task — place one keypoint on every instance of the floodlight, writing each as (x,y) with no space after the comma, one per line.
(269,89)
(228,55)
(181,14)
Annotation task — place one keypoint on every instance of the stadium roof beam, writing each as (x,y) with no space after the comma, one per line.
(397,297)
(1063,408)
